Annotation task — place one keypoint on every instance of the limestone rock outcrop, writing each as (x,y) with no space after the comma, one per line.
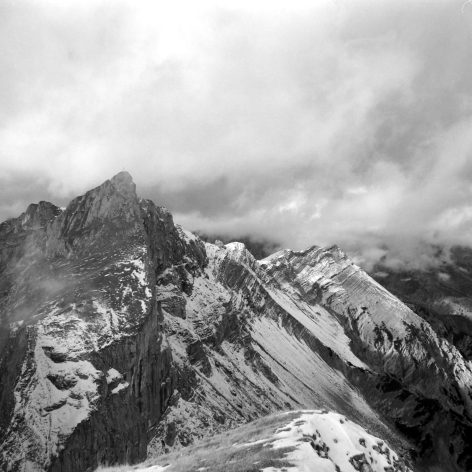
(85,367)
(123,336)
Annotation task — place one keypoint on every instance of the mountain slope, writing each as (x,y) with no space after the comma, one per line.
(335,337)
(424,383)
(247,355)
(440,293)
(123,336)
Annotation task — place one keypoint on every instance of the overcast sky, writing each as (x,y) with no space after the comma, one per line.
(337,121)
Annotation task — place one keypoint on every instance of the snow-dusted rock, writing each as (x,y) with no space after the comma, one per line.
(78,304)
(123,336)
(329,442)
(311,329)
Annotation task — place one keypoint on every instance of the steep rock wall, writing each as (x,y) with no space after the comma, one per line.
(89,369)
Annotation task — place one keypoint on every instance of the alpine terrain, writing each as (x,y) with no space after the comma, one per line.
(124,337)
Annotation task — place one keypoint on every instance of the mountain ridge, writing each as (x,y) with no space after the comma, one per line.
(123,336)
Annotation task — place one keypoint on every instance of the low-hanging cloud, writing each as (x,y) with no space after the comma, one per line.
(339,122)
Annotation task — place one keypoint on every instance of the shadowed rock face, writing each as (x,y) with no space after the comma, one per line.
(85,368)
(123,336)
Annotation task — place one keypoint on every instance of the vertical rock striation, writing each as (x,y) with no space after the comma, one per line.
(85,364)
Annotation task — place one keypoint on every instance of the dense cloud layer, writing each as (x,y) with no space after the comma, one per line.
(348,122)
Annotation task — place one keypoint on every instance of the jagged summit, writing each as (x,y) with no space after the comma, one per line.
(35,216)
(78,314)
(124,336)
(123,176)
(38,215)
(124,183)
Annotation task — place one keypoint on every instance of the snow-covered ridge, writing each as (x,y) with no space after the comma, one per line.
(377,320)
(311,441)
(364,325)
(329,442)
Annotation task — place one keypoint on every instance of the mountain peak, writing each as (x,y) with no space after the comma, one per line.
(122,176)
(124,184)
(35,216)
(96,218)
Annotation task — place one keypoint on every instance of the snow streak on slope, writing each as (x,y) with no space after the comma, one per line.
(393,338)
(423,382)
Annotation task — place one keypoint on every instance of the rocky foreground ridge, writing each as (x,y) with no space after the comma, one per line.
(123,336)
(298,441)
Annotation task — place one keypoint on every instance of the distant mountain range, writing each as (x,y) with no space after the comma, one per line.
(123,337)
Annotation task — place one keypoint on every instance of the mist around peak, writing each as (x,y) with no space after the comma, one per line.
(258,247)
(337,123)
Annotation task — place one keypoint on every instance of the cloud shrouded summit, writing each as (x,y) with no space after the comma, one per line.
(343,122)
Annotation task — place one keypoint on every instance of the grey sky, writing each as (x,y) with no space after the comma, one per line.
(323,122)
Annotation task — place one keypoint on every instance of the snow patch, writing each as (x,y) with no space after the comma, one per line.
(190,236)
(152,468)
(140,273)
(14,327)
(113,375)
(328,442)
(444,277)
(120,387)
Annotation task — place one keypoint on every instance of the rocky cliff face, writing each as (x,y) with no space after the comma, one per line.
(123,336)
(84,364)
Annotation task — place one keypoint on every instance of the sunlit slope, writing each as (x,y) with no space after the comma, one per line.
(424,383)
